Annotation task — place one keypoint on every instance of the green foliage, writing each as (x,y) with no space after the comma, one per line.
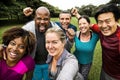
(13,9)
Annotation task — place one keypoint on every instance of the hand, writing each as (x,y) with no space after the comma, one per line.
(70,34)
(27,11)
(2,52)
(74,12)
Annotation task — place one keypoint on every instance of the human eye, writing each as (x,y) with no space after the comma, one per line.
(108,21)
(46,19)
(100,22)
(47,42)
(12,43)
(39,19)
(79,24)
(55,42)
(21,46)
(61,18)
(67,18)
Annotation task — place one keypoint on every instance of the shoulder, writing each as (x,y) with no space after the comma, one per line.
(2,62)
(77,33)
(95,34)
(69,64)
(70,59)
(73,27)
(54,24)
(118,32)
(58,23)
(29,24)
(28,61)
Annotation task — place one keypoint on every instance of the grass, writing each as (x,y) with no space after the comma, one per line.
(96,65)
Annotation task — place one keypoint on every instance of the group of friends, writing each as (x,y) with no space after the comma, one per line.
(41,49)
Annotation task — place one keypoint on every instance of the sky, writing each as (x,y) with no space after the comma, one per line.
(68,4)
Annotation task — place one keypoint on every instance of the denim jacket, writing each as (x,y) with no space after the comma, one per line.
(67,67)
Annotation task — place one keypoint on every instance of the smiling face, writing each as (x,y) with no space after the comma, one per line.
(15,51)
(65,19)
(107,23)
(54,45)
(42,19)
(83,25)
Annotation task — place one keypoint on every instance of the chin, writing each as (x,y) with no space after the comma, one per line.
(106,33)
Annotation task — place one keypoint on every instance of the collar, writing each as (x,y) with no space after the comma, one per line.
(60,60)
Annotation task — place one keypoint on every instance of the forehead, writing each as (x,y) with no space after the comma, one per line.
(105,16)
(52,36)
(65,15)
(82,20)
(19,40)
(42,12)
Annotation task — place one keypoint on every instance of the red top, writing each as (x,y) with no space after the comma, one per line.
(110,52)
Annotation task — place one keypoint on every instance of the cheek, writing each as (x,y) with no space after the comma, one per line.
(47,23)
(23,51)
(99,25)
(61,46)
(68,21)
(37,22)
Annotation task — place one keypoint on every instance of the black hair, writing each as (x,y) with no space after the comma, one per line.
(109,8)
(85,17)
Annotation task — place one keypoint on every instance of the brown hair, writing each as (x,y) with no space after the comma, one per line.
(16,32)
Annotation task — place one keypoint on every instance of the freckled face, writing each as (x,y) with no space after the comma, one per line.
(53,44)
(15,50)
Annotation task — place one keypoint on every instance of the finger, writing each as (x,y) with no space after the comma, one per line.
(71,32)
(4,55)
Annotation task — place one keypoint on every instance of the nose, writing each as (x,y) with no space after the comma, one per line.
(50,45)
(81,25)
(15,47)
(104,24)
(42,21)
(64,20)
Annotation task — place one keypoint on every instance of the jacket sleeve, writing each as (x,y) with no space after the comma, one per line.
(68,45)
(69,69)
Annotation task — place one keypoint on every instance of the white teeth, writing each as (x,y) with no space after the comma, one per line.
(13,54)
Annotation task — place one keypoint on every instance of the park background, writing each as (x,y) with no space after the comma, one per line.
(11,15)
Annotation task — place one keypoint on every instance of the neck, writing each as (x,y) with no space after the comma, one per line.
(85,37)
(85,34)
(10,64)
(58,56)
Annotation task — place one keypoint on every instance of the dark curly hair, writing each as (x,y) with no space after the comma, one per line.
(16,32)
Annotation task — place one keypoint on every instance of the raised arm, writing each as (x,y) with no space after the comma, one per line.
(74,12)
(27,11)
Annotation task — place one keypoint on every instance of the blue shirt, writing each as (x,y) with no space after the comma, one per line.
(70,26)
(84,50)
